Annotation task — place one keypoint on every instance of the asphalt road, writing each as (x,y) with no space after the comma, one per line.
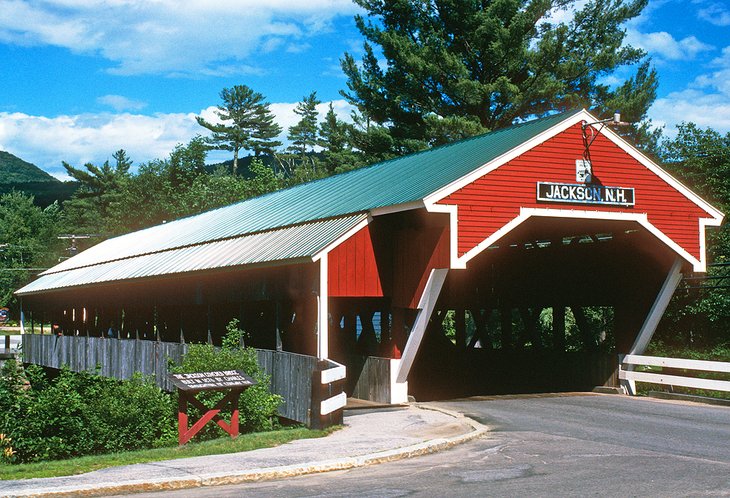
(586,445)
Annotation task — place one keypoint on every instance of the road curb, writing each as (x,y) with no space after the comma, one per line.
(270,473)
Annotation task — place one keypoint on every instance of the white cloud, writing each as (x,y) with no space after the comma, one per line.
(78,139)
(121,103)
(167,36)
(706,110)
(716,14)
(663,45)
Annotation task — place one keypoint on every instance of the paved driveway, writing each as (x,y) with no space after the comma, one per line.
(587,445)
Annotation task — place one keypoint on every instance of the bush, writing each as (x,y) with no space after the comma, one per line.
(80,414)
(257,406)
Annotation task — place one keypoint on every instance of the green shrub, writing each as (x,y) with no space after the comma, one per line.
(257,406)
(80,414)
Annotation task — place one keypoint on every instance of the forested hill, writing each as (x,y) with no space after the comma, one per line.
(14,170)
(16,174)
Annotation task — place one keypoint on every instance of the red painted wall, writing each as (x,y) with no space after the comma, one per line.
(493,200)
(397,266)
(417,251)
(352,268)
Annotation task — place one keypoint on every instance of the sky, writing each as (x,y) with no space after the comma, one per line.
(80,79)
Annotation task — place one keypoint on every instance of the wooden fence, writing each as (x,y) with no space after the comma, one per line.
(290,373)
(630,377)
(372,380)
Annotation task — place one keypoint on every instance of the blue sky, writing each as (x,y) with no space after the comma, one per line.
(83,78)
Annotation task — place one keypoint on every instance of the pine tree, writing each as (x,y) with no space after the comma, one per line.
(246,123)
(303,135)
(439,70)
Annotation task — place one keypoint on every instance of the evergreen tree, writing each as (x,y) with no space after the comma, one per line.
(439,70)
(334,138)
(246,123)
(99,190)
(303,135)
(27,240)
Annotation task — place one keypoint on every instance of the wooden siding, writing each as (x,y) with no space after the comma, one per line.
(374,381)
(290,373)
(353,269)
(493,200)
(417,251)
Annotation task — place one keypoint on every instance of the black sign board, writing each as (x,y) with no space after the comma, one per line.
(212,381)
(585,194)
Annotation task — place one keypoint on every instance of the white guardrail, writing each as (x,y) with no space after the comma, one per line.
(333,374)
(628,374)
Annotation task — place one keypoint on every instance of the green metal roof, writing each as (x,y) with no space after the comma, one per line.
(297,243)
(398,181)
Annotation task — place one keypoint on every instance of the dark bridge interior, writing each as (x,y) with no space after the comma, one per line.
(547,309)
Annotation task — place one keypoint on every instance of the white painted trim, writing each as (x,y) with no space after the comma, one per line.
(426,304)
(673,380)
(323,311)
(329,405)
(465,180)
(698,265)
(715,214)
(659,361)
(398,390)
(452,210)
(397,208)
(658,308)
(334,374)
(362,224)
(459,262)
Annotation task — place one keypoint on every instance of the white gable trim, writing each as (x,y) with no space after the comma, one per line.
(495,163)
(362,224)
(699,265)
(459,262)
(716,216)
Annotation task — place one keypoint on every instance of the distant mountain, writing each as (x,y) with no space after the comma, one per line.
(16,174)
(14,170)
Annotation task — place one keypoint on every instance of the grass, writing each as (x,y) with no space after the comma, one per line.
(245,442)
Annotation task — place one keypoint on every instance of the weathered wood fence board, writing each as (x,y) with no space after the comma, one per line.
(290,373)
(373,382)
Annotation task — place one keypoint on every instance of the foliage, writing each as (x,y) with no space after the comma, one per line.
(246,123)
(698,318)
(27,240)
(257,407)
(303,134)
(14,170)
(99,191)
(439,70)
(80,414)
(336,143)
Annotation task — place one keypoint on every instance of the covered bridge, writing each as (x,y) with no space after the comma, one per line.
(452,270)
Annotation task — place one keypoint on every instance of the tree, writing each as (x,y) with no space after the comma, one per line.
(439,70)
(303,135)
(251,126)
(701,159)
(99,189)
(27,240)
(335,140)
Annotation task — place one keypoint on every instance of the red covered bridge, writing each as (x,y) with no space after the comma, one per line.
(442,273)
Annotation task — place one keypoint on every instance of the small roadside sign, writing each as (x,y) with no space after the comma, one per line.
(4,315)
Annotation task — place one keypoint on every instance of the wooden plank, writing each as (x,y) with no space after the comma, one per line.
(658,361)
(675,380)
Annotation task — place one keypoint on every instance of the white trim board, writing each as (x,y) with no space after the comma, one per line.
(459,262)
(640,218)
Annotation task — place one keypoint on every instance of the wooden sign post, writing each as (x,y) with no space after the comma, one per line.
(188,385)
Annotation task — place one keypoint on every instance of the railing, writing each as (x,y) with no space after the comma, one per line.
(629,376)
(290,373)
(328,395)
